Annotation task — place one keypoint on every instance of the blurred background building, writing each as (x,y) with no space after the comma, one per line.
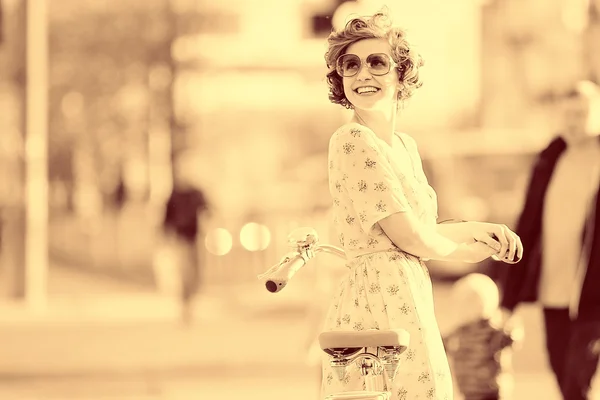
(234,91)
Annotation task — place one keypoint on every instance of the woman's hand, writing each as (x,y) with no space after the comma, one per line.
(508,244)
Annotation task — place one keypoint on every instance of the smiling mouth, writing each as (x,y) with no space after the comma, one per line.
(366,89)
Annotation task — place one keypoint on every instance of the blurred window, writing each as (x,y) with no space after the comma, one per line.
(321,20)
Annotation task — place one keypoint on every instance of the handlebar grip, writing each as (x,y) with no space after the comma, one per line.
(286,269)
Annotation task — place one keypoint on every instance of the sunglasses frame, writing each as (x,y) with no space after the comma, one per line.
(363,63)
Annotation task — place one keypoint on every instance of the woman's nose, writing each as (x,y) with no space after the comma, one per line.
(364,73)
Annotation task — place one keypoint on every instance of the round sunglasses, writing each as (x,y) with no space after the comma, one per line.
(348,65)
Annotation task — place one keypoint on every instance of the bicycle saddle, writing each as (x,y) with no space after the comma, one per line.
(346,343)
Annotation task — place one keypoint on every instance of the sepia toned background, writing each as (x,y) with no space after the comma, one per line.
(99,99)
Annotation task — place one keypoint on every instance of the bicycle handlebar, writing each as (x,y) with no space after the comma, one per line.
(278,275)
(306,246)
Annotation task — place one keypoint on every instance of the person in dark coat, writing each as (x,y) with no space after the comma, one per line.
(560,230)
(184,209)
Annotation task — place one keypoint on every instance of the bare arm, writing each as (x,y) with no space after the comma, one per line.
(507,244)
(421,240)
(457,231)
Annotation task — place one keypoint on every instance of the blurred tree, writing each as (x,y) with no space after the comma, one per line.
(105,69)
(1,23)
(12,205)
(113,128)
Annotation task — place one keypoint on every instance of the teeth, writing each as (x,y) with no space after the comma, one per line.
(366,89)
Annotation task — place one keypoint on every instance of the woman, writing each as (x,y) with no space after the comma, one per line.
(385,211)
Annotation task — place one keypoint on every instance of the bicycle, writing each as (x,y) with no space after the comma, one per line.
(343,347)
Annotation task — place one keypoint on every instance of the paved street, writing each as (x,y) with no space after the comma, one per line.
(125,343)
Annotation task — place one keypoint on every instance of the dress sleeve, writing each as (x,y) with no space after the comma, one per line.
(359,170)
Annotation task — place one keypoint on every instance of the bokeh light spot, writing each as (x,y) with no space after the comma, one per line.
(255,237)
(218,241)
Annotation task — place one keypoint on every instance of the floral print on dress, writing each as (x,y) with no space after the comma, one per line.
(384,288)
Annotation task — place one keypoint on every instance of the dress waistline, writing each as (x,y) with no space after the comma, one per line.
(396,253)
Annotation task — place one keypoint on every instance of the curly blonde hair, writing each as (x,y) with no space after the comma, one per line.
(378,26)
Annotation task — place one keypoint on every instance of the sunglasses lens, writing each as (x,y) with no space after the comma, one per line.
(348,65)
(378,64)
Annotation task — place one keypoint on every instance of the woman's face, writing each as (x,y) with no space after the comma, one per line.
(367,91)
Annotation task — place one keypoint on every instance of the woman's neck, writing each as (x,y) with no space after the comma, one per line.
(382,123)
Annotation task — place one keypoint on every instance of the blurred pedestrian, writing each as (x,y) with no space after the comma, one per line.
(480,343)
(186,206)
(559,226)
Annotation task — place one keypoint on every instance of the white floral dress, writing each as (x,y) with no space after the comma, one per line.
(385,288)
